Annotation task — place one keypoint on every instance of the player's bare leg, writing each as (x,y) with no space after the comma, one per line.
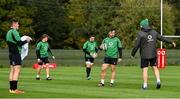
(47,72)
(13,78)
(16,72)
(113,74)
(38,72)
(156,73)
(103,74)
(11,74)
(145,77)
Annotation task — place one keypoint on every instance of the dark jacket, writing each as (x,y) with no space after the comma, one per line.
(146,41)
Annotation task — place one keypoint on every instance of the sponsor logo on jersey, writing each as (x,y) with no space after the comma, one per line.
(150,38)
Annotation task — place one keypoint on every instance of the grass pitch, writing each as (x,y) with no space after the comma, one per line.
(70,82)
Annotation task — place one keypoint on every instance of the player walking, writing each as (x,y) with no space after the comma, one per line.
(42,53)
(146,41)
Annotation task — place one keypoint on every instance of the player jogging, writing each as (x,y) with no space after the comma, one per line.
(42,53)
(146,41)
(90,49)
(113,54)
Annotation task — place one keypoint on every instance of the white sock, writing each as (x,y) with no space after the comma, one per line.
(47,76)
(102,81)
(112,81)
(158,80)
(145,85)
(37,76)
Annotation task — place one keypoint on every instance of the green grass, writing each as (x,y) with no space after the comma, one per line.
(76,58)
(70,82)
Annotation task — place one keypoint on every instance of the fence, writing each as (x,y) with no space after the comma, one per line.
(76,58)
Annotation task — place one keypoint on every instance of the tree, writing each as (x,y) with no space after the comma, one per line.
(99,16)
(132,12)
(176,11)
(50,18)
(70,22)
(76,18)
(13,9)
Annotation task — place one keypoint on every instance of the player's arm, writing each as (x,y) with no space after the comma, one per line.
(120,48)
(17,39)
(136,45)
(102,46)
(86,52)
(50,52)
(38,54)
(38,51)
(96,48)
(85,49)
(164,39)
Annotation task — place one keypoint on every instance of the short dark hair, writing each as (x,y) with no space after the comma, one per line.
(113,29)
(45,35)
(14,20)
(91,36)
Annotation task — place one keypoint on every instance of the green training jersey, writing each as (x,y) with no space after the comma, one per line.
(13,36)
(112,45)
(90,47)
(43,47)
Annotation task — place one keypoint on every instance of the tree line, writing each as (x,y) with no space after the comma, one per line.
(70,22)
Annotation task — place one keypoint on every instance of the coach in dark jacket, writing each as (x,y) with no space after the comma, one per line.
(146,41)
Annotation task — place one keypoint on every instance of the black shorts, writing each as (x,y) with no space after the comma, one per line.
(89,59)
(112,61)
(44,60)
(147,62)
(15,59)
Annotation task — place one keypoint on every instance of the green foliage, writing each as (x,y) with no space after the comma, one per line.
(50,18)
(98,17)
(70,22)
(13,9)
(168,20)
(176,10)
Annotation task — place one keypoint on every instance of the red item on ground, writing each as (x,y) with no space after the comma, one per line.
(161,58)
(51,65)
